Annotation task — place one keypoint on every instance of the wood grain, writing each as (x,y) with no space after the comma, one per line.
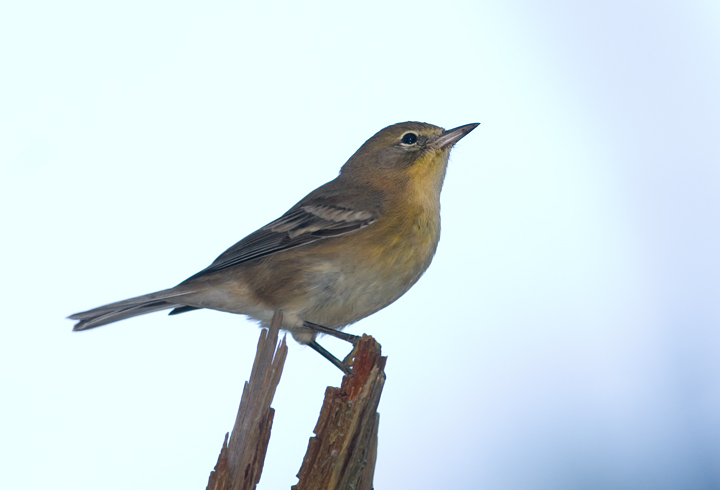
(342,454)
(241,459)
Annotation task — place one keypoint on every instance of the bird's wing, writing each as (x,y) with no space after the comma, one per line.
(299,226)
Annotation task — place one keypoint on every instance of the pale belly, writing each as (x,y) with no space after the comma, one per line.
(347,290)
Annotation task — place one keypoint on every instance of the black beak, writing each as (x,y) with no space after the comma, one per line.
(452,136)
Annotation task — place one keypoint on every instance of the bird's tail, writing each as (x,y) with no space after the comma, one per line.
(161,300)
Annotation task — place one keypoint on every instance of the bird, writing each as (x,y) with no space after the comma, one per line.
(346,250)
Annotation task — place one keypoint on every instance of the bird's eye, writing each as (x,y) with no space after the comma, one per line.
(409,139)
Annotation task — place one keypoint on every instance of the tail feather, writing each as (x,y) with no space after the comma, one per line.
(113,312)
(183,309)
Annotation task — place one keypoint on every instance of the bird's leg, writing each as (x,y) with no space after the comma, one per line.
(327,355)
(347,337)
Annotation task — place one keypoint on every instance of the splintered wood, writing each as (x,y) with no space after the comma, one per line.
(343,452)
(241,460)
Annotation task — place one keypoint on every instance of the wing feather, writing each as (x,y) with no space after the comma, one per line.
(299,226)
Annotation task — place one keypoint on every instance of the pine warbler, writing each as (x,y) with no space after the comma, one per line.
(346,250)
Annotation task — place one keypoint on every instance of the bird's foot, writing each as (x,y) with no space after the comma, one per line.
(341,365)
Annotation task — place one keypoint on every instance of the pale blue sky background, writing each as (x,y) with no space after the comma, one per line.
(567,335)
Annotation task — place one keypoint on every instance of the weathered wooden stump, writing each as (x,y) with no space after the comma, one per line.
(343,452)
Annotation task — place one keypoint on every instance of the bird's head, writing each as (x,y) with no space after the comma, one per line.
(412,153)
